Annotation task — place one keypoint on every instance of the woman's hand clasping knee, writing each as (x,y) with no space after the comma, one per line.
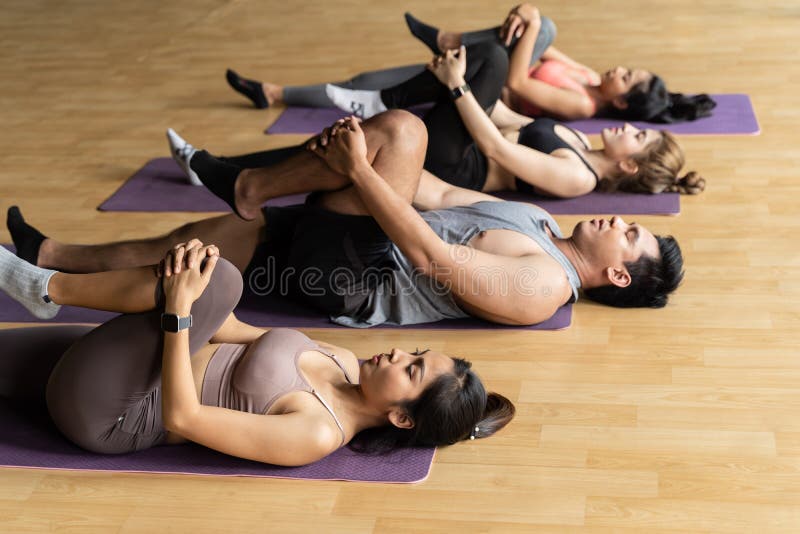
(185,274)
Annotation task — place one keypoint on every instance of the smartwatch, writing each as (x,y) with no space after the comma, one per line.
(171,322)
(460,91)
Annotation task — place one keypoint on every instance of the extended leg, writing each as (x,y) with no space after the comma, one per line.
(396,141)
(126,291)
(236,239)
(263,95)
(315,95)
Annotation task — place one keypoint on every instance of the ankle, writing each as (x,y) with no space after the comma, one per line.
(273,92)
(48,251)
(245,187)
(448,40)
(250,192)
(56,288)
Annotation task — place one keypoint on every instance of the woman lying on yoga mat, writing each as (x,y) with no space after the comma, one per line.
(558,86)
(196,373)
(512,152)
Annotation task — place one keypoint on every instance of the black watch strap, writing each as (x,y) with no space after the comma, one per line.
(460,91)
(171,322)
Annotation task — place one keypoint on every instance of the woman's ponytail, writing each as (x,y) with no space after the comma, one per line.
(685,108)
(690,183)
(498,413)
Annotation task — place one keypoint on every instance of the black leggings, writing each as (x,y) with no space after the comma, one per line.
(102,386)
(265,158)
(452,154)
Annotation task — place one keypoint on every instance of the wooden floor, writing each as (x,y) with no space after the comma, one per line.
(685,419)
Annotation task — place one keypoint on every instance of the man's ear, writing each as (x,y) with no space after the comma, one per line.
(628,166)
(619,277)
(620,103)
(400,419)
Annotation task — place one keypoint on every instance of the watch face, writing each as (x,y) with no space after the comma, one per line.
(169,322)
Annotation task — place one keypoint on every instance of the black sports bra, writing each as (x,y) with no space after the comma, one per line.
(541,135)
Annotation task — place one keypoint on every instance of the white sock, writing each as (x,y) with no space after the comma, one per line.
(27,284)
(364,104)
(182,153)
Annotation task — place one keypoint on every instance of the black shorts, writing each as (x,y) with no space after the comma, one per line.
(469,172)
(328,260)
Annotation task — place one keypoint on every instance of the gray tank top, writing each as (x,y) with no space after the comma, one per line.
(410,297)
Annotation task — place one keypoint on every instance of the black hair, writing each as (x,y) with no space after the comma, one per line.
(650,101)
(447,411)
(652,279)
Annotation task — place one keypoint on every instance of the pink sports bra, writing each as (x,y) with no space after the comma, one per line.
(557,74)
(250,378)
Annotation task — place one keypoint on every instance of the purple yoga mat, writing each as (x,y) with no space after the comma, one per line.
(32,441)
(274,311)
(161,186)
(603,203)
(734,114)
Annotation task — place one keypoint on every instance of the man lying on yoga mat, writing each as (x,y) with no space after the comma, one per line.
(361,252)
(273,396)
(558,86)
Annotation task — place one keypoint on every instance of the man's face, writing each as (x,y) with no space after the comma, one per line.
(612,243)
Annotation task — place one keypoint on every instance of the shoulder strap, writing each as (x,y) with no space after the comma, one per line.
(335,359)
(330,410)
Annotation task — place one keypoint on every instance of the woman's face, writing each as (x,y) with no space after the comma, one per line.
(390,379)
(623,142)
(617,82)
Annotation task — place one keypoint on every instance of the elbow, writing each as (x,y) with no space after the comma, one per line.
(515,82)
(171,422)
(492,147)
(424,259)
(424,263)
(490,150)
(175,420)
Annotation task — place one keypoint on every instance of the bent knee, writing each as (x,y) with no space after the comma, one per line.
(403,126)
(549,29)
(226,284)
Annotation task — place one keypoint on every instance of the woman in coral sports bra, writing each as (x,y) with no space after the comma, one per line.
(542,80)
(177,365)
